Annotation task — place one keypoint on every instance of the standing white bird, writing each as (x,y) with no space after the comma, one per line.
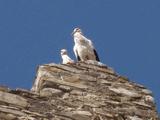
(83,48)
(65,58)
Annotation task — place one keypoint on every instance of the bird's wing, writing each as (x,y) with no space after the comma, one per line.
(69,58)
(76,53)
(94,50)
(90,43)
(96,54)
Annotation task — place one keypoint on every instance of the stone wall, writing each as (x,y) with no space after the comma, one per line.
(80,91)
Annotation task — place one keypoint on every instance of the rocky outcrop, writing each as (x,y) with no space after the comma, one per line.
(81,91)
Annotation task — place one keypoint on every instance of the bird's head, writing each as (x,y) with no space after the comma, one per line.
(76,30)
(63,52)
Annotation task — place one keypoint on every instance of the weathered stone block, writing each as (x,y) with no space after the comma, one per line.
(13,99)
(48,92)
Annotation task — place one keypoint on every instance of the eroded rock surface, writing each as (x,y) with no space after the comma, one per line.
(80,91)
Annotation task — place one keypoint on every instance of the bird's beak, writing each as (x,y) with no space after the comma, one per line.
(72,33)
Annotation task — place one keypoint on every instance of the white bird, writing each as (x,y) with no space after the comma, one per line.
(65,58)
(83,48)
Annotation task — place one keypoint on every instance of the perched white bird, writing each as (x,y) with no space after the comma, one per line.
(83,48)
(66,59)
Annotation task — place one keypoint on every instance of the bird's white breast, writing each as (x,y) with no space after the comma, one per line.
(66,59)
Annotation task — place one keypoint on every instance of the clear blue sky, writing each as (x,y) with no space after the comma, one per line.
(126,34)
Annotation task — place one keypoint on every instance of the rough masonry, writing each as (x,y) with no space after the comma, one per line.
(80,91)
